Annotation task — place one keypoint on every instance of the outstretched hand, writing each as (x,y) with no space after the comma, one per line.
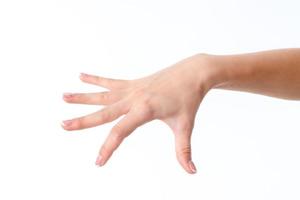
(172,95)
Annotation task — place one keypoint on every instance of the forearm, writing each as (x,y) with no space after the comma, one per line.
(274,73)
(174,94)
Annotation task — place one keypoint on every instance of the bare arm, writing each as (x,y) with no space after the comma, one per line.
(274,73)
(174,94)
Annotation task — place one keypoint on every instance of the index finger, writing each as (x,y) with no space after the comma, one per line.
(121,130)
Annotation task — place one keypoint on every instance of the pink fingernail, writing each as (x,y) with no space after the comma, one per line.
(83,75)
(99,161)
(192,167)
(67,95)
(66,123)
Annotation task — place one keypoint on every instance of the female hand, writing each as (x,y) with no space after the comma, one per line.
(172,95)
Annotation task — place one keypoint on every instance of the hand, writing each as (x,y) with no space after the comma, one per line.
(172,95)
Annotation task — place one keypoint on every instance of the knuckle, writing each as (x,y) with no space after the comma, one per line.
(184,151)
(105,97)
(78,97)
(147,111)
(143,104)
(116,137)
(145,108)
(117,131)
(79,123)
(104,116)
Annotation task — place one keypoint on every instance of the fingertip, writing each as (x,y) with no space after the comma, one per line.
(67,125)
(67,96)
(104,155)
(188,166)
(99,161)
(83,76)
(63,126)
(192,167)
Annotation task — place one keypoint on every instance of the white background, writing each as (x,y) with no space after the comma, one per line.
(245,146)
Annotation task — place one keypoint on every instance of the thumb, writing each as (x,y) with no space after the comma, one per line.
(183,150)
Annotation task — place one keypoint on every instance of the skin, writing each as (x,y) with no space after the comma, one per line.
(174,94)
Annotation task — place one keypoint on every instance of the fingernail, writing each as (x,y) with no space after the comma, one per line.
(99,161)
(192,167)
(83,75)
(67,95)
(66,123)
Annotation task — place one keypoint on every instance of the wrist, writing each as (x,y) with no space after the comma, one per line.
(209,72)
(222,71)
